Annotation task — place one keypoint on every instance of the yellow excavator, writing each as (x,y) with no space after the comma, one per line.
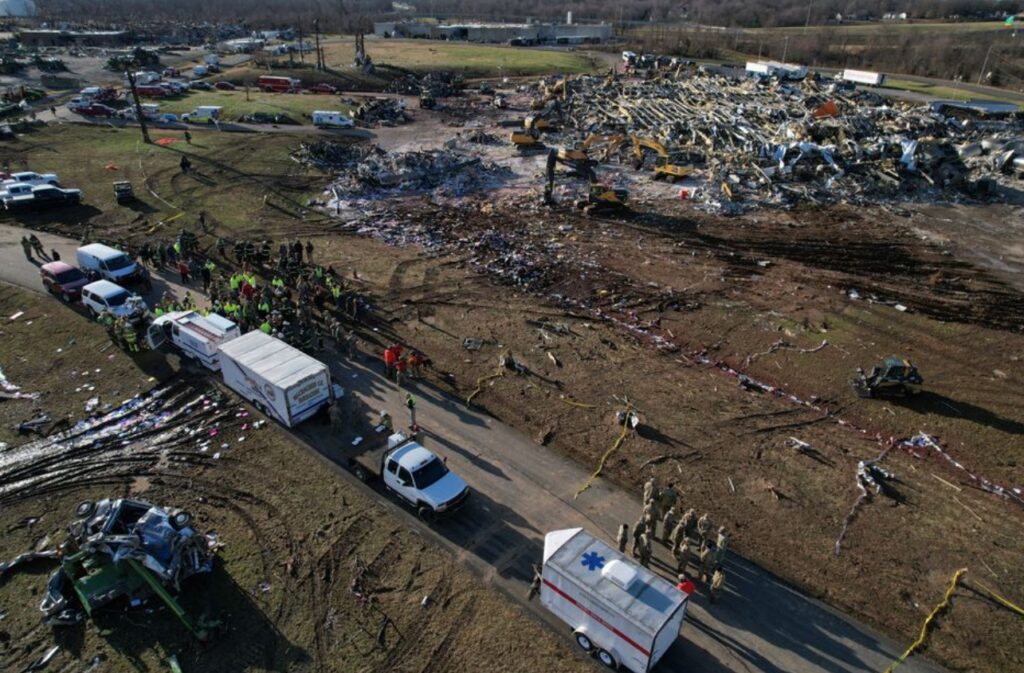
(601,146)
(666,166)
(527,140)
(600,197)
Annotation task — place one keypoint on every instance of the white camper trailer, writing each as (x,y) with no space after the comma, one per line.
(621,612)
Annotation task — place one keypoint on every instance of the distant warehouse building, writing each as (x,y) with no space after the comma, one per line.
(509,33)
(74,38)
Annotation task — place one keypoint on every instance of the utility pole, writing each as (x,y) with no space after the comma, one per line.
(138,105)
(985,64)
(807,24)
(785,49)
(302,53)
(319,61)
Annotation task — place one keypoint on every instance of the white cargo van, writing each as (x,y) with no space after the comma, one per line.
(619,611)
(332,118)
(280,381)
(203,114)
(109,263)
(198,337)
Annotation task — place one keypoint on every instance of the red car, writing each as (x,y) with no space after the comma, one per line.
(323,87)
(63,280)
(225,86)
(96,110)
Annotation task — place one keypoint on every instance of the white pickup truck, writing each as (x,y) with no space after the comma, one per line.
(412,472)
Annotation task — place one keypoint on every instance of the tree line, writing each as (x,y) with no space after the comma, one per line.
(347,15)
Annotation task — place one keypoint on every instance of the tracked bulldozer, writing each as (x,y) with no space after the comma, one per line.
(896,376)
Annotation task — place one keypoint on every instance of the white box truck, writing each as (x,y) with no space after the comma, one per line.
(198,337)
(281,381)
(619,611)
(332,118)
(863,77)
(204,114)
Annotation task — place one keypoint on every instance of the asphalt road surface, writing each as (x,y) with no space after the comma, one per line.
(523,490)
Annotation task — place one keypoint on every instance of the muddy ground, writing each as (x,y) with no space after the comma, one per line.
(311,569)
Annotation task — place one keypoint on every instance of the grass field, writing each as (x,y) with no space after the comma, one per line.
(474,60)
(251,172)
(237,103)
(938,91)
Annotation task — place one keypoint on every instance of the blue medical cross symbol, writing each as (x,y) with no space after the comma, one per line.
(592,561)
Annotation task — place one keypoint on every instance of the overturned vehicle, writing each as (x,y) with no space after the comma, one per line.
(126,549)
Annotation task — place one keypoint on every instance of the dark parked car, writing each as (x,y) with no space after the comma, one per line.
(267,118)
(63,280)
(44,197)
(323,87)
(204,86)
(96,110)
(225,86)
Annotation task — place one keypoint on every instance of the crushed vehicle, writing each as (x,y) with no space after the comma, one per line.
(414,473)
(895,376)
(126,550)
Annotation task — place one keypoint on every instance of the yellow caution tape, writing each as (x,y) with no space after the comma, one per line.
(480,382)
(999,599)
(604,458)
(928,620)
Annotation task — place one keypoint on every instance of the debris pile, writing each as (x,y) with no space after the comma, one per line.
(787,143)
(382,111)
(380,174)
(439,84)
(119,549)
(329,155)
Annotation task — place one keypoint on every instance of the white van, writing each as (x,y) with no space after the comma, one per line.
(106,296)
(109,263)
(203,114)
(332,118)
(198,337)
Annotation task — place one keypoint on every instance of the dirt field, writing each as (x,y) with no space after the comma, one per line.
(657,311)
(311,569)
(666,306)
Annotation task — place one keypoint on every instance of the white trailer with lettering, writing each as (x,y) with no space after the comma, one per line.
(281,381)
(619,611)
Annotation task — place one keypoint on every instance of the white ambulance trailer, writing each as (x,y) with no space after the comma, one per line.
(621,612)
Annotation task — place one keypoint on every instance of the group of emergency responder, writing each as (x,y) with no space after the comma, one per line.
(293,299)
(688,537)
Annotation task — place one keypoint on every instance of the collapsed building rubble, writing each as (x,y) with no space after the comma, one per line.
(786,143)
(438,84)
(379,174)
(382,111)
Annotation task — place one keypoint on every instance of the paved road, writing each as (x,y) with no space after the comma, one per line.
(522,490)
